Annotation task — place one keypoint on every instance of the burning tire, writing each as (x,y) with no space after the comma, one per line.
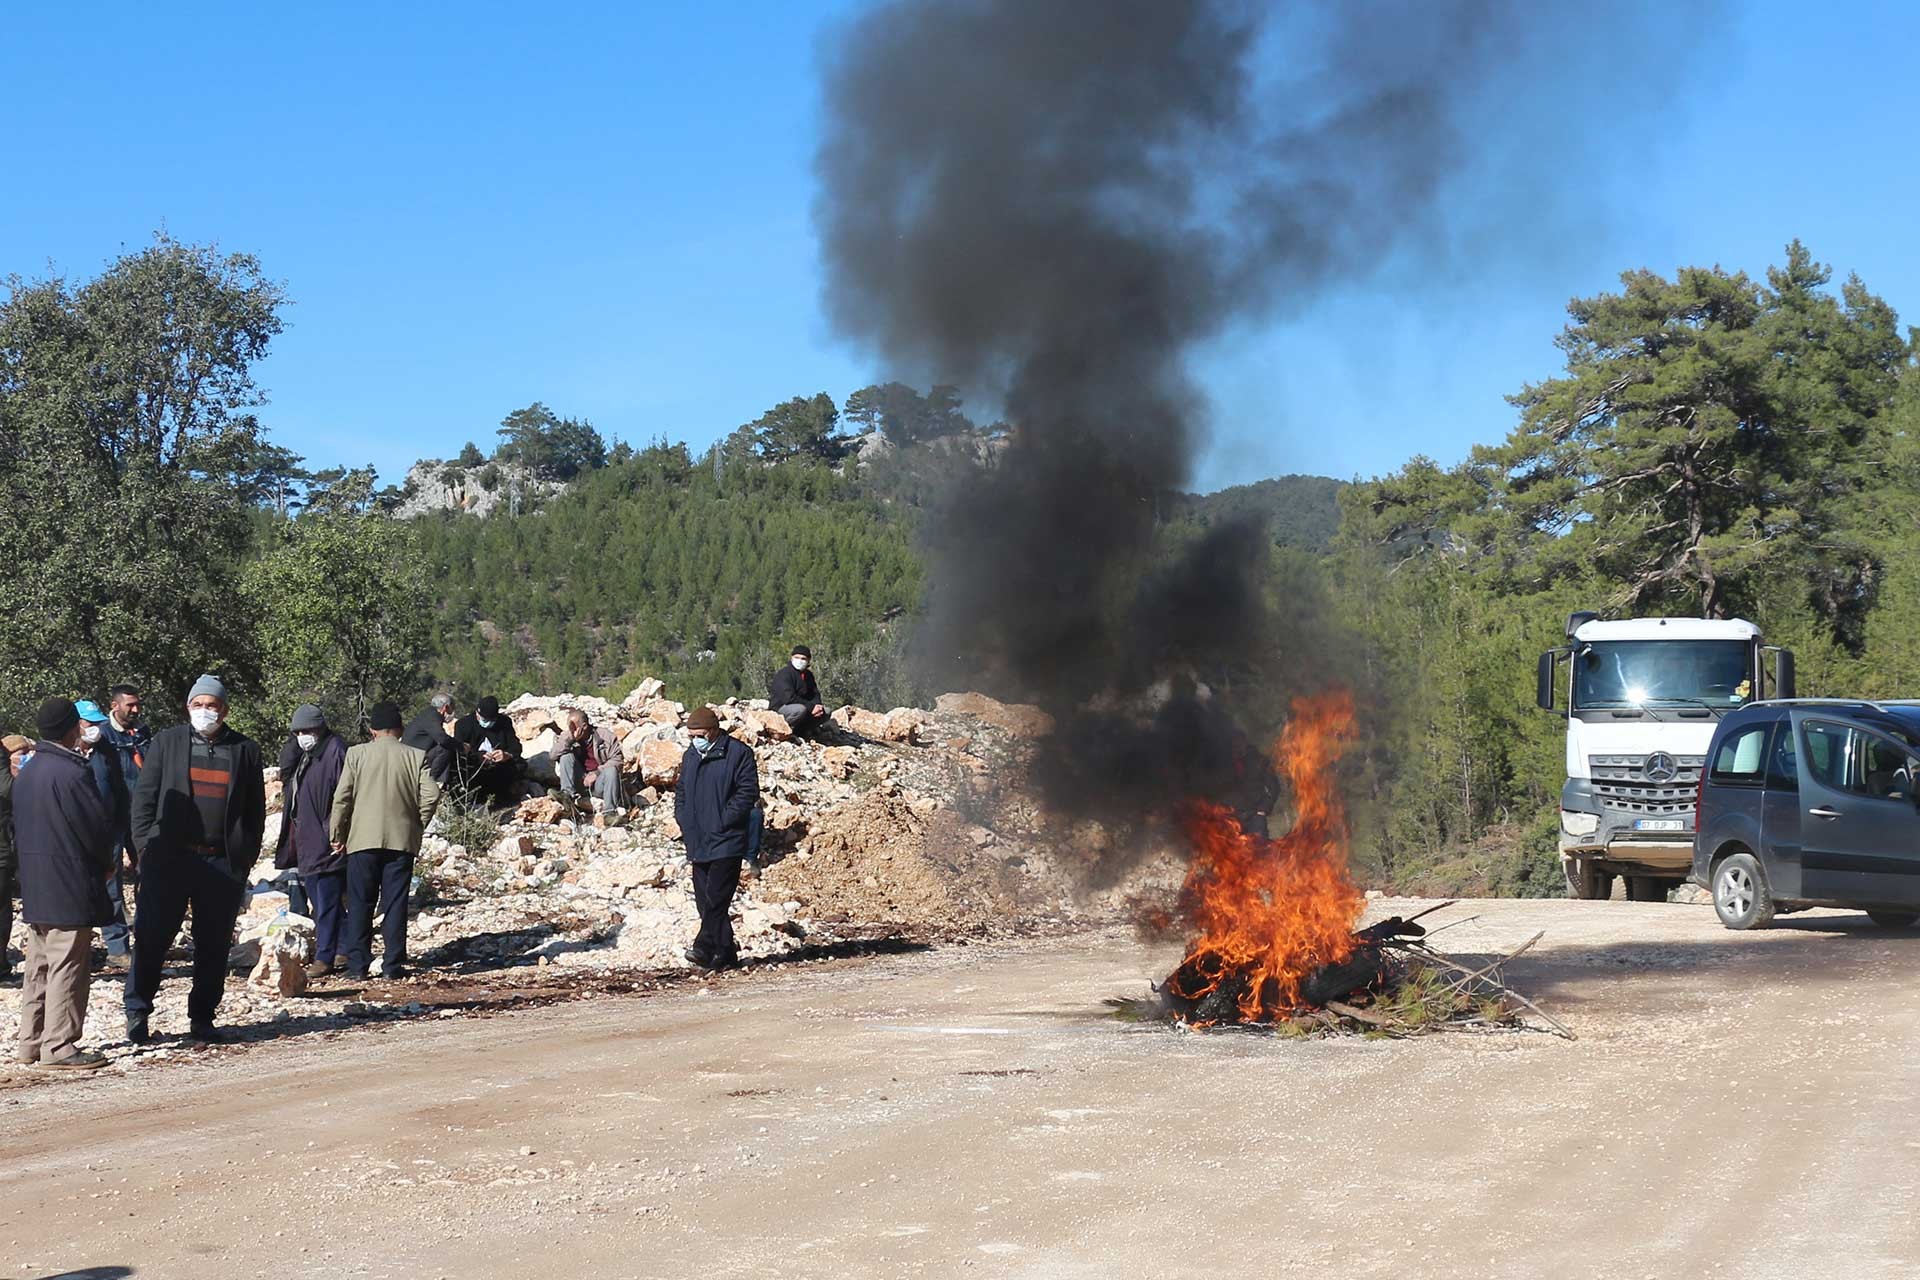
(1741,897)
(1586,882)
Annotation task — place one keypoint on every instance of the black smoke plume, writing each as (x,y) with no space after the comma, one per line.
(1054,202)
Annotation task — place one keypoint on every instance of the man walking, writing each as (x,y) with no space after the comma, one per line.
(591,754)
(16,747)
(310,769)
(66,847)
(713,803)
(487,753)
(111,779)
(795,694)
(429,732)
(198,816)
(125,735)
(381,808)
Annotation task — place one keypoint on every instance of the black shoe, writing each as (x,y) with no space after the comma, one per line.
(206,1033)
(137,1032)
(699,959)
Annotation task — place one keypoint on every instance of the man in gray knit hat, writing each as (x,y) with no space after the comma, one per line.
(198,815)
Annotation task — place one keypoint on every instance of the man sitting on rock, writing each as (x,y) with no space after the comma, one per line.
(487,752)
(589,754)
(713,803)
(796,694)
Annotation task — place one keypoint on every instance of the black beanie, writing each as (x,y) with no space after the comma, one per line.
(801,651)
(383,715)
(489,706)
(57,718)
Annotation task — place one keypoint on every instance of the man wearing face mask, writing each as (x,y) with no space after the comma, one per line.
(796,694)
(488,752)
(310,768)
(713,803)
(125,735)
(198,816)
(111,779)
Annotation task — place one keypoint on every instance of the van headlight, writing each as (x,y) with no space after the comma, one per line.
(1579,824)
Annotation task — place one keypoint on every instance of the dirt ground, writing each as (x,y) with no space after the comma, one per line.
(1735,1106)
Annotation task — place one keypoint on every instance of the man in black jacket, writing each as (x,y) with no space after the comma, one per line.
(66,854)
(198,816)
(795,694)
(487,754)
(9,862)
(428,732)
(713,803)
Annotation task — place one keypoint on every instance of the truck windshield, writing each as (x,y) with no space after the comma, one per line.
(1636,673)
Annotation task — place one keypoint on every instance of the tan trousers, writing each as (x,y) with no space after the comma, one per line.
(53,999)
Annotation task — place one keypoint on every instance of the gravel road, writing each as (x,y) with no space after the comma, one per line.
(1736,1105)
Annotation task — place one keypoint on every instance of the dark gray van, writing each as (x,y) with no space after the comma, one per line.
(1811,803)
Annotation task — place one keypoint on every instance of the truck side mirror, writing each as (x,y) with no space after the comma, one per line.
(1783,686)
(1543,681)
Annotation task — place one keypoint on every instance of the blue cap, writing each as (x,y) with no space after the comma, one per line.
(91,712)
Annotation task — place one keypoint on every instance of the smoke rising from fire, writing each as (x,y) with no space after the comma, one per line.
(1052,204)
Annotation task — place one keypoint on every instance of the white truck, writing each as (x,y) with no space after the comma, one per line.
(1641,698)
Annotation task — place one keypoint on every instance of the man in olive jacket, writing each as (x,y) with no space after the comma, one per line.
(381,808)
(199,812)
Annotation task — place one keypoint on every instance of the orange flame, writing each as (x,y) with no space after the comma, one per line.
(1268,913)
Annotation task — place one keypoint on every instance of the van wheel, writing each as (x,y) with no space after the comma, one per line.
(1740,895)
(1586,883)
(1893,919)
(1646,889)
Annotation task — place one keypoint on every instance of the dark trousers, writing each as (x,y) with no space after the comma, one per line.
(169,884)
(383,876)
(327,895)
(297,896)
(713,888)
(115,934)
(497,784)
(9,883)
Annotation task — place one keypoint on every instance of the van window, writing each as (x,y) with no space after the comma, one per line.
(1741,755)
(1881,769)
(1826,746)
(1783,764)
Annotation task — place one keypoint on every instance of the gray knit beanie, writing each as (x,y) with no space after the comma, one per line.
(307,718)
(207,686)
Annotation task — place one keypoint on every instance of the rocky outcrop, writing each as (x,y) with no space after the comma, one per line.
(432,485)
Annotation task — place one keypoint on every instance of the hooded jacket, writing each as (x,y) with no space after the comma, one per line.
(714,799)
(64,832)
(307,782)
(164,815)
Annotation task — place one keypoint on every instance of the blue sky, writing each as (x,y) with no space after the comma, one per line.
(607,208)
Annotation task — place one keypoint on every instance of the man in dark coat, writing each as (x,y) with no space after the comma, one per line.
(713,803)
(487,754)
(198,816)
(309,771)
(795,694)
(9,861)
(428,732)
(66,853)
(126,736)
(111,777)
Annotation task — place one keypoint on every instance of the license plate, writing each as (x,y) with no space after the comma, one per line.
(1659,824)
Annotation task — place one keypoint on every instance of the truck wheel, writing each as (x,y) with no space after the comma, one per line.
(1646,889)
(1893,919)
(1585,882)
(1740,895)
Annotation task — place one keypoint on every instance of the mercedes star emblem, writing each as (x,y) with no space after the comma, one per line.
(1661,768)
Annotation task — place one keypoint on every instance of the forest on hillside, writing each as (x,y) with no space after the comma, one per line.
(1712,444)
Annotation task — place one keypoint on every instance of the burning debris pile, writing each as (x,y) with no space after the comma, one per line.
(1276,941)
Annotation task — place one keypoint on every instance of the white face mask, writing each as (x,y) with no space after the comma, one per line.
(89,733)
(306,740)
(800,664)
(203,719)
(483,722)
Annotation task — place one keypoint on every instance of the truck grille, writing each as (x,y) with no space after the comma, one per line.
(1621,783)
